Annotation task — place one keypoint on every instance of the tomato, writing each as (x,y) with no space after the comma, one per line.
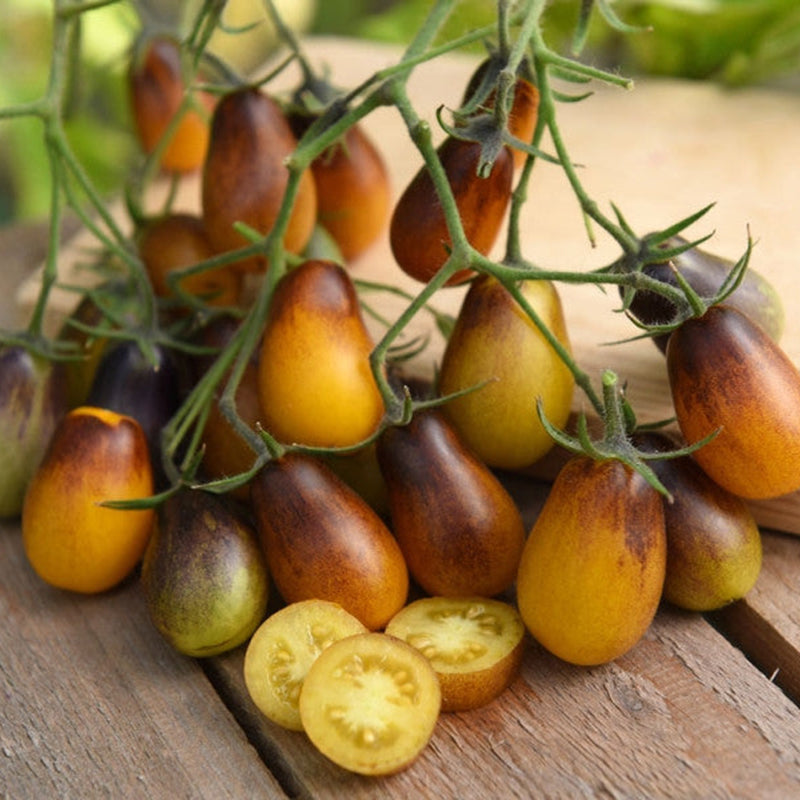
(71,540)
(281,652)
(705,273)
(370,703)
(418,232)
(475,645)
(204,577)
(315,380)
(322,540)
(156,88)
(592,571)
(127,382)
(32,401)
(524,111)
(176,241)
(111,304)
(245,178)
(727,374)
(353,191)
(494,340)
(713,542)
(459,529)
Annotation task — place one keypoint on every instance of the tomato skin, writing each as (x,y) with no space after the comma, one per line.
(32,402)
(315,381)
(204,577)
(128,383)
(323,541)
(726,373)
(418,232)
(156,89)
(353,189)
(459,529)
(71,541)
(705,273)
(713,543)
(176,241)
(244,177)
(592,571)
(494,340)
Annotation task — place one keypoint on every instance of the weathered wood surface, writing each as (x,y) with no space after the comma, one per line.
(95,704)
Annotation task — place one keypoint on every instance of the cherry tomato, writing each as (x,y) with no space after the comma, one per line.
(281,652)
(71,540)
(713,542)
(32,402)
(323,541)
(315,380)
(370,703)
(524,111)
(156,87)
(474,644)
(459,529)
(418,233)
(353,191)
(494,340)
(177,241)
(129,383)
(705,273)
(726,374)
(592,571)
(244,177)
(204,577)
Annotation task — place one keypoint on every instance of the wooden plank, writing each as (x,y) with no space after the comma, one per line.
(96,704)
(766,624)
(672,718)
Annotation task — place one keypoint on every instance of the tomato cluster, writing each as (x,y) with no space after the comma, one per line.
(406,577)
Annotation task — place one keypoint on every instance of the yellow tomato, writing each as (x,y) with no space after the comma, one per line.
(494,340)
(71,540)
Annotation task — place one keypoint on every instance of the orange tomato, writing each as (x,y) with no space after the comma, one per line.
(156,89)
(70,539)
(177,241)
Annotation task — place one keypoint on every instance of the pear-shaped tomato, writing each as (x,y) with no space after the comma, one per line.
(458,527)
(593,567)
(245,177)
(315,381)
(157,88)
(323,541)
(353,190)
(713,541)
(727,374)
(128,382)
(418,231)
(176,241)
(524,111)
(32,401)
(494,340)
(71,540)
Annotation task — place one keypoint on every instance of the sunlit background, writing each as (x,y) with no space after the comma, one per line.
(735,42)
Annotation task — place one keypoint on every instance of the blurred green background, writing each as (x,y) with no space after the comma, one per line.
(735,42)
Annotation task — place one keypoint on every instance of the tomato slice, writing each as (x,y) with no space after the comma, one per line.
(474,644)
(283,648)
(370,703)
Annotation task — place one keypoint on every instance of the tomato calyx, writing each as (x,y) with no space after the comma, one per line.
(668,248)
(616,443)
